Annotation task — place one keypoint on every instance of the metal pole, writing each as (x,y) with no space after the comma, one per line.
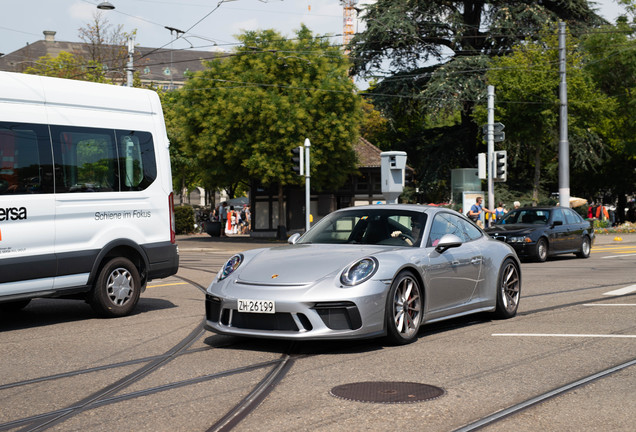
(491,148)
(129,68)
(307,186)
(564,145)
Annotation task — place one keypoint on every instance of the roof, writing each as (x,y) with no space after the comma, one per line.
(369,155)
(158,65)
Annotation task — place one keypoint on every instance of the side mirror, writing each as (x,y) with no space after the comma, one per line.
(293,238)
(448,241)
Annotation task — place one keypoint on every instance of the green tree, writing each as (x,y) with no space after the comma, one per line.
(67,65)
(245,113)
(527,93)
(436,53)
(611,53)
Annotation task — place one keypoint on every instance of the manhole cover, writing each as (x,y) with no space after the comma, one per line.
(387,392)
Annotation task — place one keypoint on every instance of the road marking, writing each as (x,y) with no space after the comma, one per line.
(564,335)
(620,304)
(621,291)
(620,256)
(171,284)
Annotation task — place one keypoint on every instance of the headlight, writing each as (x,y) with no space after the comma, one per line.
(359,271)
(230,266)
(521,239)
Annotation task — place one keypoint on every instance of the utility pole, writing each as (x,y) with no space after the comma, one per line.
(490,137)
(307,186)
(129,67)
(564,145)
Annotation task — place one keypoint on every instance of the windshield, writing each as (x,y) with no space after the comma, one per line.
(526,216)
(369,226)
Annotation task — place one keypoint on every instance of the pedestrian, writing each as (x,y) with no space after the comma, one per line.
(500,211)
(516,204)
(223,217)
(474,214)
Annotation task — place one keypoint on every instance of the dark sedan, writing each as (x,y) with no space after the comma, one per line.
(539,232)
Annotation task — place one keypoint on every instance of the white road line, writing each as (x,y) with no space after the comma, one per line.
(621,291)
(618,256)
(564,335)
(619,304)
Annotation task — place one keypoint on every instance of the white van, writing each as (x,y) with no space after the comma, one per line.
(86,204)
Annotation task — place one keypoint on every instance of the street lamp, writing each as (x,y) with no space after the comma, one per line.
(105,6)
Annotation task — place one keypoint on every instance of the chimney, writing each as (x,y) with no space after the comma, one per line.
(49,35)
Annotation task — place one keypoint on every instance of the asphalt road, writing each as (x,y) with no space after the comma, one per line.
(565,362)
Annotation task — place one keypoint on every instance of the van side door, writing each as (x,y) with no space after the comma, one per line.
(27,208)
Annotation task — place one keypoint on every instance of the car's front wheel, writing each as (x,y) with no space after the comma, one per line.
(508,289)
(117,288)
(585,248)
(404,309)
(541,250)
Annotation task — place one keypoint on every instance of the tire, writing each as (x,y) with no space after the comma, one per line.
(585,248)
(117,289)
(14,306)
(508,290)
(404,308)
(541,250)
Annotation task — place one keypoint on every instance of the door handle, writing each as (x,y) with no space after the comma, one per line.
(476,260)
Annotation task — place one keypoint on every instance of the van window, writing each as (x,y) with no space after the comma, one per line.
(85,160)
(25,159)
(102,160)
(136,160)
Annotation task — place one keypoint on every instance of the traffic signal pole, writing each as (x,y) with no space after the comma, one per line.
(307,186)
(490,137)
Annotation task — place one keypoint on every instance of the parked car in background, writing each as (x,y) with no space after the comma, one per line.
(540,232)
(363,272)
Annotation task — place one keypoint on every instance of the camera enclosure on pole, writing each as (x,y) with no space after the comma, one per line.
(298,160)
(501,165)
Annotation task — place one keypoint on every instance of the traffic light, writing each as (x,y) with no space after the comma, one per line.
(501,165)
(298,160)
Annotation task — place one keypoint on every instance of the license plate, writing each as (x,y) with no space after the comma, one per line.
(256,306)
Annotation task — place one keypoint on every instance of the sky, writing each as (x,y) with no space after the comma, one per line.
(207,22)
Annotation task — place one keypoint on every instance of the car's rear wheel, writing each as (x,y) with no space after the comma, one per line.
(508,289)
(117,288)
(404,309)
(541,250)
(585,248)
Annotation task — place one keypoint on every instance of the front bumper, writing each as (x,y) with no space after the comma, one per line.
(347,313)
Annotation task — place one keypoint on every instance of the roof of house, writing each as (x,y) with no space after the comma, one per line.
(153,64)
(368,154)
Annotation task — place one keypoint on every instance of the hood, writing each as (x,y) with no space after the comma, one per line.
(512,228)
(301,264)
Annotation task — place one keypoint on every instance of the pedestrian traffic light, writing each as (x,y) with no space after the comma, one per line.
(298,160)
(501,165)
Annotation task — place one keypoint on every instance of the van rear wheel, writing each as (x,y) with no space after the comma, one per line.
(117,289)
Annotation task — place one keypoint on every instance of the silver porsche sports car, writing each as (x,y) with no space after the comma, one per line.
(366,272)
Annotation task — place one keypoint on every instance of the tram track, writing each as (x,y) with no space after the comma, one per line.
(278,369)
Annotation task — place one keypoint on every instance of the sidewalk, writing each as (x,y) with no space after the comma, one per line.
(194,242)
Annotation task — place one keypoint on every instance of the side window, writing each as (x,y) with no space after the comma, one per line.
(25,159)
(85,160)
(445,223)
(571,217)
(472,232)
(136,160)
(557,215)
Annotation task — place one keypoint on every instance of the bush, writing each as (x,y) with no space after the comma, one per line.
(183,219)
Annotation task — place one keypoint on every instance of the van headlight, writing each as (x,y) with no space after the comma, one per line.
(230,266)
(359,271)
